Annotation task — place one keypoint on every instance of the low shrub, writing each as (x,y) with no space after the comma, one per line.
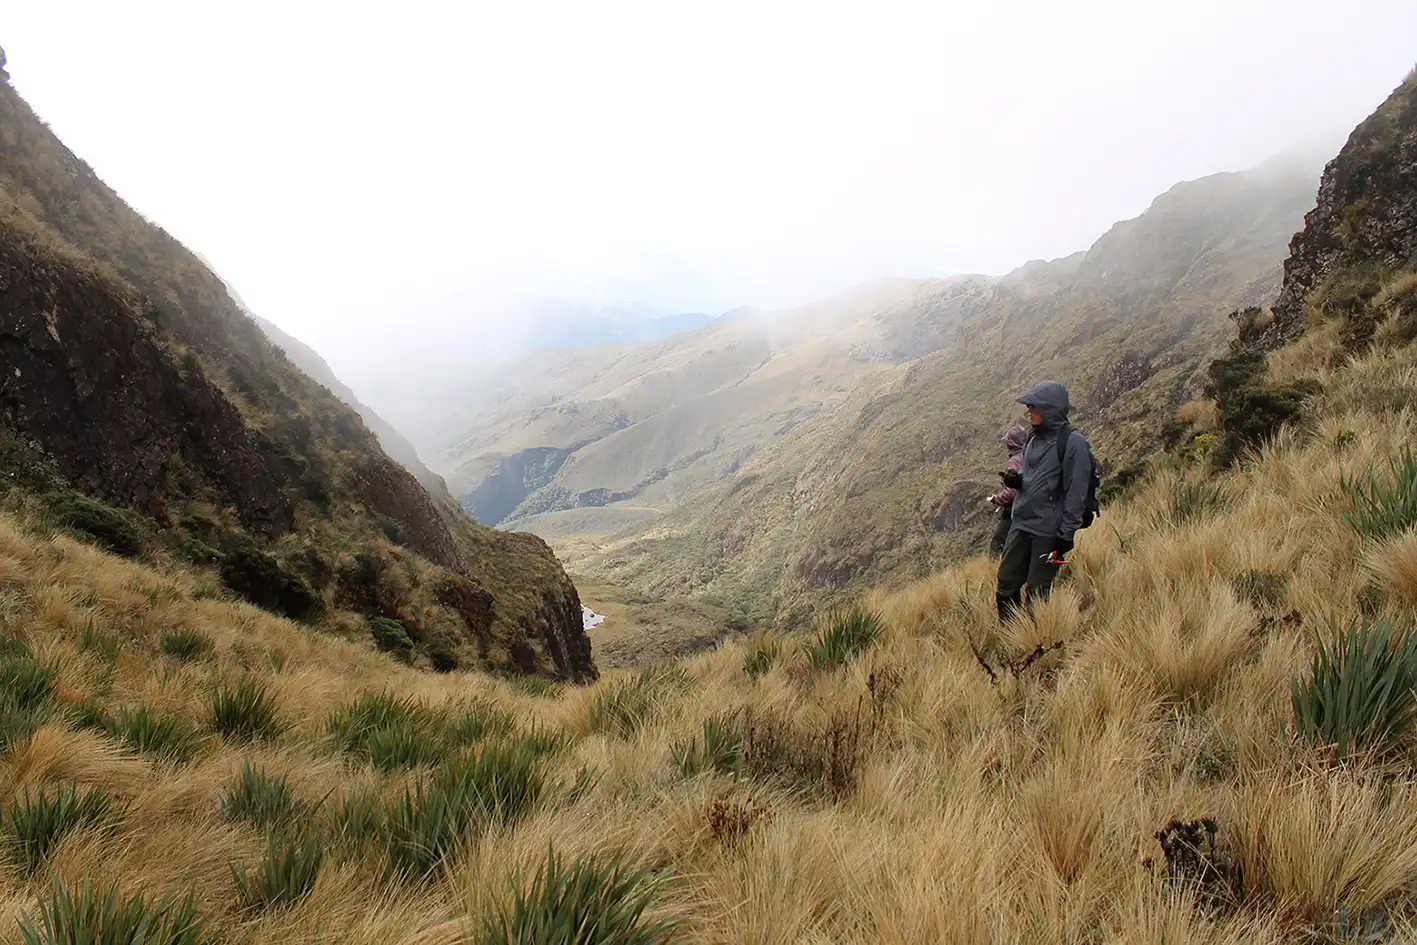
(118,532)
(847,634)
(32,829)
(164,735)
(1359,692)
(587,902)
(101,917)
(442,655)
(257,576)
(390,636)
(286,875)
(262,800)
(185,645)
(245,711)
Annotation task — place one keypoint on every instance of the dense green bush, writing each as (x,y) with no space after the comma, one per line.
(390,636)
(1359,692)
(1382,508)
(846,635)
(258,577)
(116,531)
(261,799)
(286,875)
(31,829)
(245,711)
(102,917)
(185,645)
(588,902)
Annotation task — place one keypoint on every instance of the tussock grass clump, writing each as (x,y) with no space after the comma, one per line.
(284,877)
(590,901)
(1384,507)
(478,722)
(31,829)
(822,758)
(719,747)
(185,646)
(245,711)
(759,660)
(846,636)
(498,784)
(102,917)
(1192,500)
(25,689)
(1261,588)
(261,799)
(1359,692)
(622,707)
(164,735)
(25,683)
(389,732)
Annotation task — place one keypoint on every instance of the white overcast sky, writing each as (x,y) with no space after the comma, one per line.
(376,177)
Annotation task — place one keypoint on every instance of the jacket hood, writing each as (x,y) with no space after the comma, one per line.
(1017,437)
(1051,400)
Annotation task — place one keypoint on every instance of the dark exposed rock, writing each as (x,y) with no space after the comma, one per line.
(1125,374)
(1365,217)
(81,373)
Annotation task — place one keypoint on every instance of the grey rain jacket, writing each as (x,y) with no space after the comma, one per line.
(1035,511)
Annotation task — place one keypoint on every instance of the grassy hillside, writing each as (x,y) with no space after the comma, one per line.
(888,485)
(132,374)
(783,789)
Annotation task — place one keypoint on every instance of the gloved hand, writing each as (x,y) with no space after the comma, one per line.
(1061,546)
(1012,478)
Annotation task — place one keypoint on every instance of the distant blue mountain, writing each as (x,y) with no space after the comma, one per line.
(561,325)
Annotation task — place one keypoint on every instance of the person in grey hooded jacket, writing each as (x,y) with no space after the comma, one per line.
(1049,506)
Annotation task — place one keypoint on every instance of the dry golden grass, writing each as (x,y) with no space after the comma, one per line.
(1012,810)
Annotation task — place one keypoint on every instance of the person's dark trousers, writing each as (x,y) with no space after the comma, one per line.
(1001,532)
(1024,565)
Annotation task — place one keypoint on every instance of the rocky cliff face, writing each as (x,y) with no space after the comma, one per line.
(82,373)
(1365,220)
(127,362)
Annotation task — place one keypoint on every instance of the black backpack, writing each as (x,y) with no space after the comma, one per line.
(1090,506)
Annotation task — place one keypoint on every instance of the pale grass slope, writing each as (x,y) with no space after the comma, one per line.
(1016,811)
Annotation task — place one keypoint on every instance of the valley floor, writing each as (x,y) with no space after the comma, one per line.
(778,789)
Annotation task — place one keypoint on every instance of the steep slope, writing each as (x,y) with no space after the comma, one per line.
(191,417)
(889,485)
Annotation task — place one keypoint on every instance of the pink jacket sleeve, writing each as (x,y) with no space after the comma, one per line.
(1006,495)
